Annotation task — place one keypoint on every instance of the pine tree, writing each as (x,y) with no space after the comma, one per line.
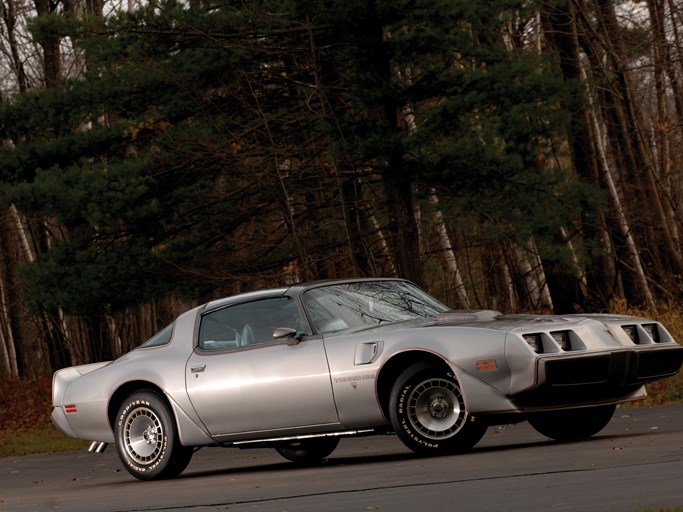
(212,145)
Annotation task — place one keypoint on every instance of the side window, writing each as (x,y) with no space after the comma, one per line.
(247,324)
(161,338)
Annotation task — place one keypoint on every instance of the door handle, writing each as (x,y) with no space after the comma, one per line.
(198,369)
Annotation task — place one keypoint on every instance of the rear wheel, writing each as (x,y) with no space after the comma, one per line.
(147,439)
(427,411)
(572,424)
(308,451)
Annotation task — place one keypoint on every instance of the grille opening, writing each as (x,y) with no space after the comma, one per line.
(650,365)
(592,370)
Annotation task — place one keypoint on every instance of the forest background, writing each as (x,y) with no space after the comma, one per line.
(518,155)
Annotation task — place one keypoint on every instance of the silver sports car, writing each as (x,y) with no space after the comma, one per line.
(297,368)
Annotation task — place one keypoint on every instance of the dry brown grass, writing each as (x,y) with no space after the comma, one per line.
(25,404)
(671,389)
(25,426)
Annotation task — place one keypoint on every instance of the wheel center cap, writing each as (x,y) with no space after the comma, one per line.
(439,408)
(149,436)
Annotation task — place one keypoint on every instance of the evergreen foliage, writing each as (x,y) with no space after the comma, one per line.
(208,144)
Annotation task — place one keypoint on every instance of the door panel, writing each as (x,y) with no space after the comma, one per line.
(268,387)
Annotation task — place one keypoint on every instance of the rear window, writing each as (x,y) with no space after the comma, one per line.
(161,338)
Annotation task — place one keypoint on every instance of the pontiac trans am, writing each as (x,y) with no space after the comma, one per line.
(297,368)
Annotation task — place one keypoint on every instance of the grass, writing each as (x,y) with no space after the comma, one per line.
(40,440)
(660,510)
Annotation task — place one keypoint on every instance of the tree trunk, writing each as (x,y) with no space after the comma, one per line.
(628,130)
(8,349)
(624,228)
(383,253)
(8,13)
(446,252)
(499,286)
(52,58)
(663,128)
(403,232)
(561,30)
(447,255)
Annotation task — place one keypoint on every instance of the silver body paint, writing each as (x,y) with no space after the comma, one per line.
(325,382)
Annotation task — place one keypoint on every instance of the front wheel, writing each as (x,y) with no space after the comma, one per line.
(572,424)
(147,440)
(308,451)
(427,411)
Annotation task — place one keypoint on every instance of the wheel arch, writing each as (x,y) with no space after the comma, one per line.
(394,366)
(126,390)
(190,432)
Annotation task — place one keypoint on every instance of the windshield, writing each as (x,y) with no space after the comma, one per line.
(367,303)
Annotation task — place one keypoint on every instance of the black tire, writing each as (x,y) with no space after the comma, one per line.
(427,411)
(572,424)
(147,438)
(308,451)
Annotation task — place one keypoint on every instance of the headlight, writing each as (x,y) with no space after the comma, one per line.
(632,332)
(652,332)
(562,339)
(535,342)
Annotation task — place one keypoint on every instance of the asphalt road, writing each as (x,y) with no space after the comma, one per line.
(635,464)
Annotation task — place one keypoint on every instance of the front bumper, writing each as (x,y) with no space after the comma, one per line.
(614,376)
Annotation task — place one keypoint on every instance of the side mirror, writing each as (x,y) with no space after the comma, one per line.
(286,333)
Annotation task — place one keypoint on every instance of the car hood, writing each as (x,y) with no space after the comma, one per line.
(489,319)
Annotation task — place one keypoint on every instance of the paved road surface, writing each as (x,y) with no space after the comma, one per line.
(635,464)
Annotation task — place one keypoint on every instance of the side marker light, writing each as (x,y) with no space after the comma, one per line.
(487,365)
